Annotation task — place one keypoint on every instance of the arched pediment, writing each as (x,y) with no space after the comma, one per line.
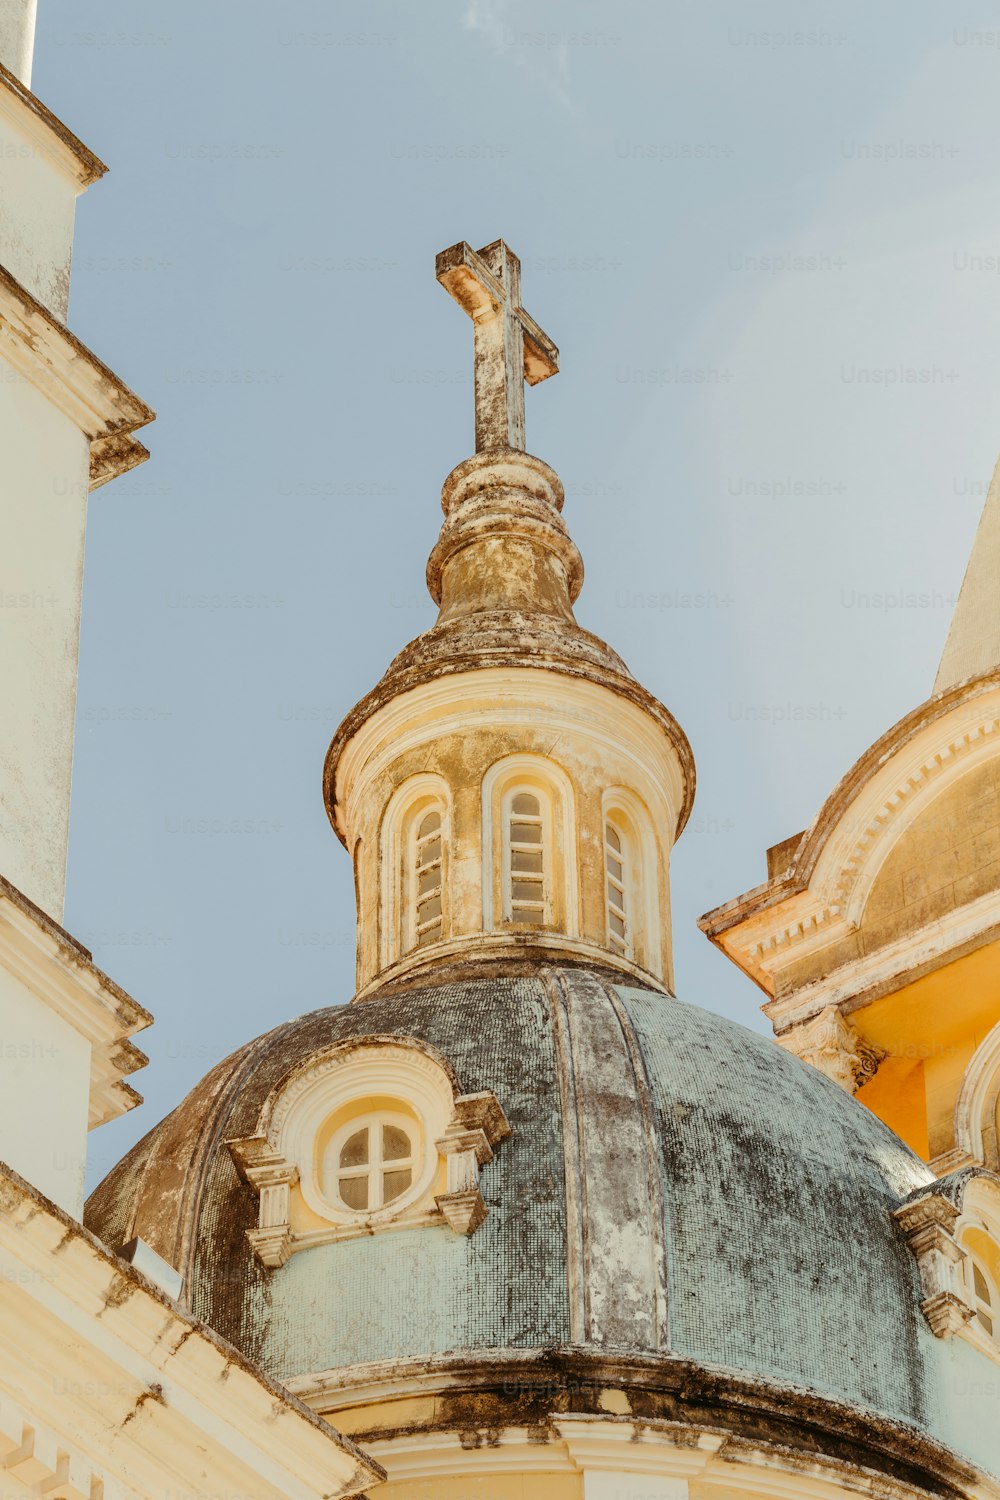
(889,791)
(930,767)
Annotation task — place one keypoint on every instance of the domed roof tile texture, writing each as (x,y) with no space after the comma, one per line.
(673,1184)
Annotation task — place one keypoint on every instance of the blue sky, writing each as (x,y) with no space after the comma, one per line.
(766,241)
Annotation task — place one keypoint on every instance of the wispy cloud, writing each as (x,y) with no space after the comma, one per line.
(543,56)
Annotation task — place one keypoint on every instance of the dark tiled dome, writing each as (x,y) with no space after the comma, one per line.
(726,1203)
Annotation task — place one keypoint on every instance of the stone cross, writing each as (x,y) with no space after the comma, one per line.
(509,347)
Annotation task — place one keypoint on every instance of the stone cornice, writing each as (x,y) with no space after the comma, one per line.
(44,352)
(514,956)
(49,135)
(482,954)
(60,972)
(459,1400)
(115,1346)
(386,695)
(854,985)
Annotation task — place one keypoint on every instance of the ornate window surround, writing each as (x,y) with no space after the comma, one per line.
(454,1136)
(936,1220)
(821,895)
(977,1231)
(978,1268)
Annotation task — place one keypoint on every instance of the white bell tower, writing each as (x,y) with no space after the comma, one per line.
(66,426)
(17,37)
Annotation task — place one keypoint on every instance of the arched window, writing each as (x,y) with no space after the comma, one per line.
(632,916)
(527,897)
(426,866)
(977,1233)
(616,881)
(373,1160)
(983,1297)
(413,873)
(529,847)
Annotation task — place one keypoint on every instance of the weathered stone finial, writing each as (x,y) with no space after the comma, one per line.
(509,345)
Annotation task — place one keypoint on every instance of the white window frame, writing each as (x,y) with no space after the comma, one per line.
(294,1152)
(547,780)
(621,943)
(418,1085)
(332,1174)
(973,1262)
(985,1307)
(626,811)
(508,874)
(413,869)
(409,804)
(980,1220)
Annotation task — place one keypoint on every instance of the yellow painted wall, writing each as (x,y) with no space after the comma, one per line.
(930,1030)
(897,1095)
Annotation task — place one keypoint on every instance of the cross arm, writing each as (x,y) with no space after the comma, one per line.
(541,357)
(467,278)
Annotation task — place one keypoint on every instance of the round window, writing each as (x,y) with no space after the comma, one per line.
(372,1162)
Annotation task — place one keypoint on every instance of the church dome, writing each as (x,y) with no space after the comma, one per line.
(673,1189)
(516,1195)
